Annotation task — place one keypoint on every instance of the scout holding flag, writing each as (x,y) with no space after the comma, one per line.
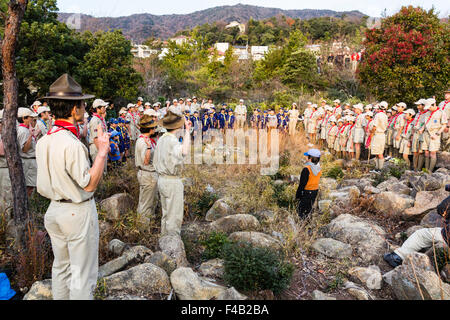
(168,162)
(147,176)
(64,176)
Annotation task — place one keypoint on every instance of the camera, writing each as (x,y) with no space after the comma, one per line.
(447,188)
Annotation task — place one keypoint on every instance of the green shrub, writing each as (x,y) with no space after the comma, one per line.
(249,268)
(442,258)
(206,201)
(335,173)
(214,245)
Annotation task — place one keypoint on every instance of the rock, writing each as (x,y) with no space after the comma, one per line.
(327,185)
(117,247)
(173,246)
(294,178)
(219,210)
(352,191)
(428,183)
(234,223)
(387,277)
(371,190)
(443,160)
(399,188)
(257,239)
(366,236)
(357,292)
(332,248)
(278,182)
(338,196)
(370,277)
(413,229)
(189,286)
(231,294)
(361,184)
(415,279)
(144,279)
(319,295)
(124,297)
(40,290)
(193,231)
(265,215)
(117,206)
(385,184)
(163,261)
(104,227)
(212,268)
(392,202)
(278,236)
(137,254)
(443,178)
(432,220)
(113,266)
(425,201)
(324,205)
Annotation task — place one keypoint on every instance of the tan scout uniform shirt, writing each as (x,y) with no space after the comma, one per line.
(22,137)
(42,128)
(141,150)
(92,126)
(380,122)
(63,167)
(168,158)
(435,121)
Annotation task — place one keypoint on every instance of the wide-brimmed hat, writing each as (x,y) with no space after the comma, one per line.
(66,88)
(172,121)
(147,122)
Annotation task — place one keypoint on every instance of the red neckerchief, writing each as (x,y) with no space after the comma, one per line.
(407,125)
(24,126)
(64,125)
(399,114)
(431,116)
(152,142)
(331,128)
(445,104)
(312,114)
(343,128)
(368,123)
(102,120)
(335,109)
(418,117)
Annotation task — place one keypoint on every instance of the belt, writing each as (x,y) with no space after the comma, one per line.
(140,168)
(70,201)
(29,158)
(169,177)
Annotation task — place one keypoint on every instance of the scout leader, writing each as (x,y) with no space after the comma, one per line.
(378,135)
(65,177)
(293,118)
(168,162)
(147,176)
(98,118)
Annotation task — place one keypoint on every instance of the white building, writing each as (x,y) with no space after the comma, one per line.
(142,51)
(180,40)
(315,48)
(163,53)
(222,46)
(258,52)
(241,52)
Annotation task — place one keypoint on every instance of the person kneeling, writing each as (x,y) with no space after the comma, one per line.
(309,183)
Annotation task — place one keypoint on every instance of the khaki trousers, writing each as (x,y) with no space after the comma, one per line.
(30,171)
(292,127)
(171,191)
(421,239)
(73,230)
(148,195)
(5,189)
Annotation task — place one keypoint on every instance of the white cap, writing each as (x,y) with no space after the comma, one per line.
(156,104)
(402,104)
(37,103)
(174,100)
(314,106)
(140,99)
(148,104)
(340,120)
(337,101)
(369,107)
(431,101)
(99,103)
(421,101)
(309,103)
(394,108)
(188,100)
(151,112)
(411,112)
(351,118)
(1,114)
(130,105)
(383,104)
(25,112)
(332,119)
(359,106)
(369,113)
(328,108)
(141,109)
(346,104)
(42,109)
(122,112)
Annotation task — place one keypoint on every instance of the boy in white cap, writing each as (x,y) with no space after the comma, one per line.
(98,118)
(331,134)
(337,144)
(312,124)
(307,115)
(378,133)
(241,114)
(350,147)
(367,130)
(358,136)
(309,183)
(35,106)
(417,138)
(406,134)
(445,107)
(27,147)
(44,123)
(399,124)
(337,110)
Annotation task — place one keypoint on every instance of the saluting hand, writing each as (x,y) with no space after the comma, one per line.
(103,141)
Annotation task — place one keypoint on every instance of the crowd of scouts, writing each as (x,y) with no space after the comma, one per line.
(359,132)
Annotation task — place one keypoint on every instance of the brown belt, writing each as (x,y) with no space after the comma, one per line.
(140,168)
(70,201)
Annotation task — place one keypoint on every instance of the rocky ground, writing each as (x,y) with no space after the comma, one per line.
(337,254)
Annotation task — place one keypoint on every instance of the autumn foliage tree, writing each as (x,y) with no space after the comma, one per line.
(408,57)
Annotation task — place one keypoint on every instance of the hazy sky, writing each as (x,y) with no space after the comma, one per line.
(115,8)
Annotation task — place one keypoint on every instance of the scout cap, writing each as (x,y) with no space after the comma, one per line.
(36,103)
(25,112)
(340,120)
(309,103)
(411,112)
(383,105)
(141,109)
(172,121)
(394,108)
(359,106)
(313,153)
(420,102)
(402,104)
(114,134)
(140,99)
(332,119)
(66,88)
(42,109)
(147,122)
(242,100)
(151,113)
(337,101)
(98,103)
(148,104)
(130,105)
(369,113)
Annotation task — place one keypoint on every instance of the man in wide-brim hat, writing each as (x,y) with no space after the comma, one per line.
(147,176)
(65,177)
(168,162)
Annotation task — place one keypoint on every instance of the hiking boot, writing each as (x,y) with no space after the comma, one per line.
(393,259)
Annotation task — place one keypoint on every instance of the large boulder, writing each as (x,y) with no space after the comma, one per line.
(220,209)
(365,236)
(383,186)
(117,247)
(173,246)
(265,215)
(428,183)
(399,188)
(231,294)
(432,220)
(425,201)
(189,286)
(144,279)
(257,239)
(361,184)
(319,295)
(40,290)
(393,203)
(212,268)
(163,261)
(443,160)
(116,206)
(332,248)
(416,279)
(356,291)
(370,277)
(234,223)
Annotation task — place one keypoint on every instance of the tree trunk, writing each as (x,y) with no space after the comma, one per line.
(16,11)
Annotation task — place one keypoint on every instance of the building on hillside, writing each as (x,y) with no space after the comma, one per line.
(180,40)
(314,48)
(164,52)
(233,24)
(258,52)
(142,51)
(222,46)
(241,52)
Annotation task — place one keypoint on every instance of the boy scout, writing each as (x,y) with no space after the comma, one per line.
(435,124)
(307,115)
(98,118)
(390,133)
(406,135)
(337,142)
(27,147)
(445,107)
(168,161)
(312,124)
(399,124)
(378,135)
(331,135)
(358,136)
(64,176)
(350,147)
(418,123)
(43,123)
(147,176)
